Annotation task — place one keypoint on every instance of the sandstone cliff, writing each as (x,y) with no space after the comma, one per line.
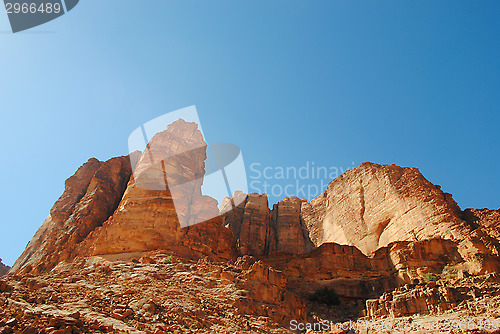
(373,205)
(368,207)
(261,231)
(391,221)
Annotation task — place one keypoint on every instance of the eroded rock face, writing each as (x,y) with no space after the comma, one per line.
(75,188)
(373,205)
(268,286)
(354,275)
(481,248)
(406,224)
(412,260)
(369,207)
(485,219)
(3,268)
(250,222)
(292,235)
(344,268)
(261,231)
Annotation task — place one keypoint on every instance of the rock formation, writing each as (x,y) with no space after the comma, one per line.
(374,229)
(423,300)
(261,231)
(487,220)
(90,197)
(466,293)
(250,223)
(373,205)
(3,268)
(158,214)
(291,233)
(104,210)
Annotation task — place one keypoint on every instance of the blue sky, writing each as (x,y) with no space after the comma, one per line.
(334,82)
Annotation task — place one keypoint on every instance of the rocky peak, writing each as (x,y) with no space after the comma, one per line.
(292,235)
(91,195)
(3,268)
(163,198)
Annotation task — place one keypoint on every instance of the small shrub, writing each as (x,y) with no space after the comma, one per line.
(451,276)
(325,296)
(168,260)
(475,272)
(430,277)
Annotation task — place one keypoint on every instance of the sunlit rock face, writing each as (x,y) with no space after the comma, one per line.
(373,205)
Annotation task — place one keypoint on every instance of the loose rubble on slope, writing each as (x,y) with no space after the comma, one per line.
(94,295)
(452,305)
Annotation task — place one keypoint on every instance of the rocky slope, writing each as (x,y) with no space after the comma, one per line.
(155,294)
(449,305)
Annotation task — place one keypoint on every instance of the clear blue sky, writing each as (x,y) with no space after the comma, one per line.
(335,82)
